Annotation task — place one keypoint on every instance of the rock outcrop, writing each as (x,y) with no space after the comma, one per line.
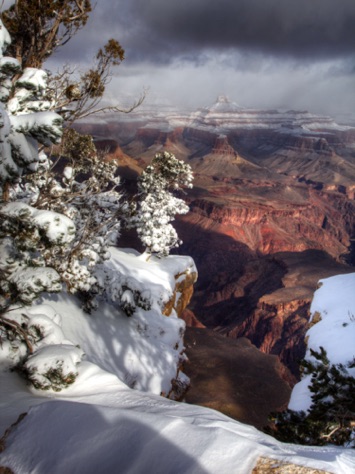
(184,288)
(275,466)
(190,319)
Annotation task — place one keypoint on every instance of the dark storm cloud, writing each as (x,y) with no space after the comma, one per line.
(296,28)
(262,53)
(161,31)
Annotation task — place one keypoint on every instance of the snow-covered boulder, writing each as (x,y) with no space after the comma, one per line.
(332,327)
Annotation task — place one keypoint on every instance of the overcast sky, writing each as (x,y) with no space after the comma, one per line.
(261,53)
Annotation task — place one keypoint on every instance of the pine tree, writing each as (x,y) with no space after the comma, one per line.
(157,207)
(26,232)
(39,27)
(55,228)
(26,120)
(58,218)
(22,227)
(85,195)
(331,416)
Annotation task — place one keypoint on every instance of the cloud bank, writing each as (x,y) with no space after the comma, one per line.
(267,53)
(299,29)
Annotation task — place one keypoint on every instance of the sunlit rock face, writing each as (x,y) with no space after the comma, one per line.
(184,288)
(301,218)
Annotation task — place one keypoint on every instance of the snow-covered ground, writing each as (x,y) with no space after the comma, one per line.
(100,424)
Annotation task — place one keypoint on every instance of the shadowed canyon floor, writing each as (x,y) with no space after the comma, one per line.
(233,377)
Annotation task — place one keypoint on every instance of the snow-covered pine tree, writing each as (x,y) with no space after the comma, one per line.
(85,191)
(25,123)
(54,228)
(82,200)
(25,118)
(157,206)
(38,29)
(26,233)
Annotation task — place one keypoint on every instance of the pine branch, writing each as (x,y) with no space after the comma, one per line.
(18,330)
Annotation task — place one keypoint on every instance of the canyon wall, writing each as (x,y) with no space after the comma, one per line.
(271,212)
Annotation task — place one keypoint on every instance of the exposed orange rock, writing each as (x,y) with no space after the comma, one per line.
(183,292)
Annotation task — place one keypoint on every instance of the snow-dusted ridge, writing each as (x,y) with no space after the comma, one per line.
(224,116)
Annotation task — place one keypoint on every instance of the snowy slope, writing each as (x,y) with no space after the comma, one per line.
(100,425)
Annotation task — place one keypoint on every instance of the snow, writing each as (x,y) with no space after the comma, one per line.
(49,323)
(9,64)
(46,127)
(131,347)
(57,227)
(5,38)
(157,275)
(334,303)
(30,281)
(52,364)
(224,105)
(68,172)
(19,126)
(30,88)
(33,78)
(157,206)
(100,424)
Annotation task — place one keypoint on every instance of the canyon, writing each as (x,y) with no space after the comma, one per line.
(271,214)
